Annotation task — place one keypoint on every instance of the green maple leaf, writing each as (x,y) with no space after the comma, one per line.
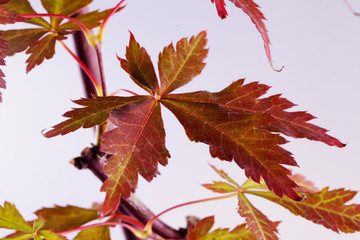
(236,123)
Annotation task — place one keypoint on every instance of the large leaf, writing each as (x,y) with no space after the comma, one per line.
(138,144)
(63,7)
(60,219)
(94,233)
(180,66)
(325,207)
(95,112)
(237,136)
(261,227)
(10,218)
(139,66)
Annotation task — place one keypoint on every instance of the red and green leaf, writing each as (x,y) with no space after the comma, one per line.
(138,145)
(325,207)
(94,233)
(241,232)
(261,227)
(60,219)
(10,218)
(220,187)
(178,67)
(139,66)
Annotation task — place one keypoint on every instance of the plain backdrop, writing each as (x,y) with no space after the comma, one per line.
(318,42)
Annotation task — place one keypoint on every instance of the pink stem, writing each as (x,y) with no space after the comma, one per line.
(192,202)
(98,224)
(80,24)
(110,14)
(86,70)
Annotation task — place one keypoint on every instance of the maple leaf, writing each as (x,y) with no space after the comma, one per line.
(324,207)
(236,123)
(59,219)
(94,233)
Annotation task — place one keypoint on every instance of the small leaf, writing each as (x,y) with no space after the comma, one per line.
(63,7)
(220,187)
(200,230)
(10,218)
(20,40)
(139,66)
(94,233)
(138,144)
(261,227)
(49,235)
(24,7)
(95,112)
(324,207)
(44,48)
(177,68)
(60,219)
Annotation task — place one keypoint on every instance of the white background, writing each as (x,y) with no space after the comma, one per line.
(317,41)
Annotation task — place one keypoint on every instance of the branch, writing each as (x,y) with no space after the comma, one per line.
(94,160)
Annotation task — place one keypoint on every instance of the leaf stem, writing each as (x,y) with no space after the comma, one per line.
(351,9)
(149,224)
(86,70)
(100,34)
(131,228)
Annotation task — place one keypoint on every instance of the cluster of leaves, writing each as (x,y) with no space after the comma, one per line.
(51,222)
(40,42)
(236,123)
(324,207)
